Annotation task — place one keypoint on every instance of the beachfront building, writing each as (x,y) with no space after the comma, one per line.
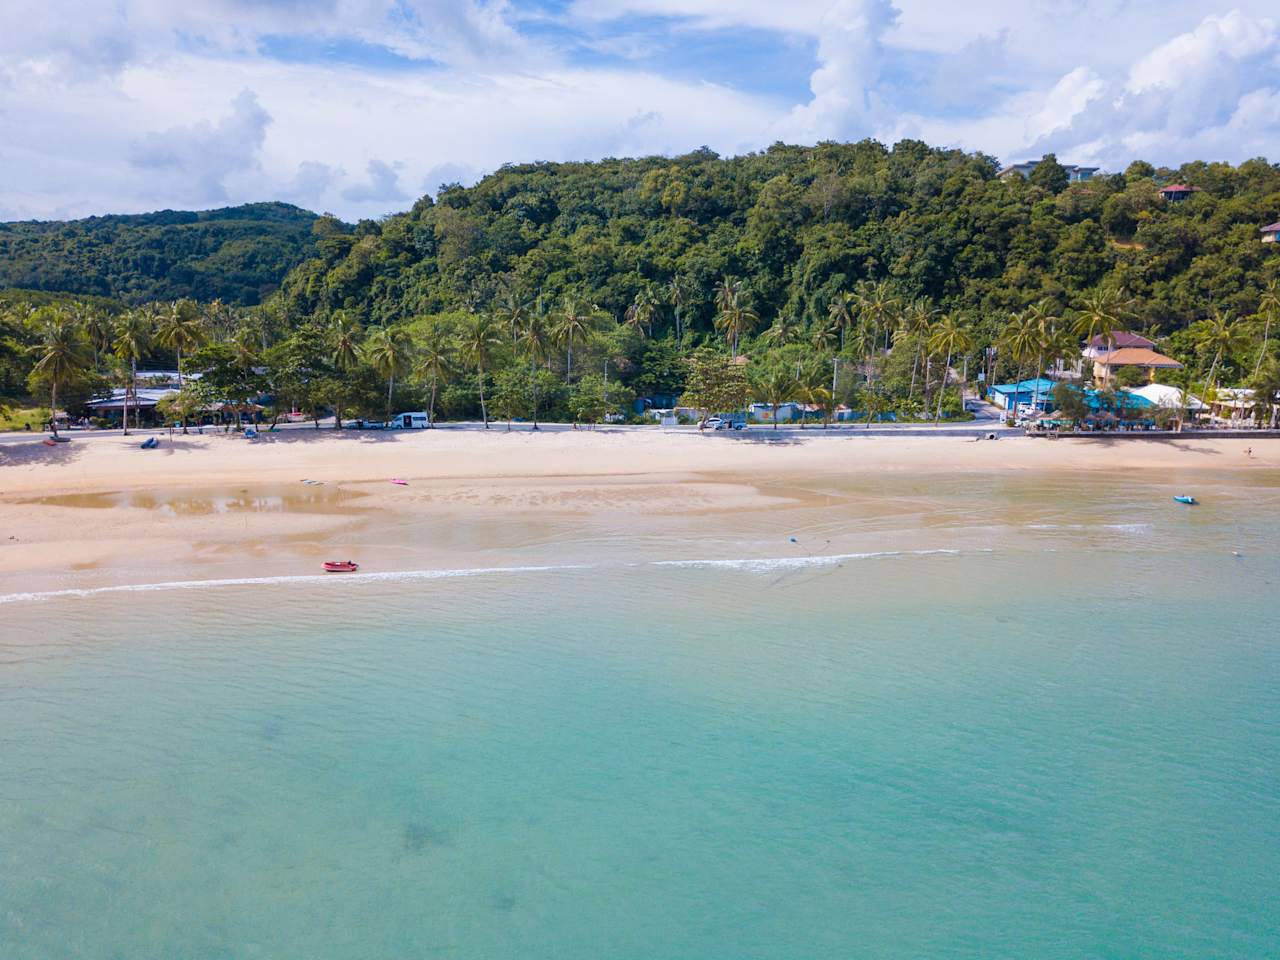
(1012,397)
(1234,405)
(1109,362)
(1162,395)
(142,403)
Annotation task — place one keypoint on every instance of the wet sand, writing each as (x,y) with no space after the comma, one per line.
(104,512)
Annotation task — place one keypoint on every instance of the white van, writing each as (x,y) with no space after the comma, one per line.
(409,421)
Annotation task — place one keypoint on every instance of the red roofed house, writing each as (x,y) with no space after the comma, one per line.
(1271,233)
(1105,365)
(1098,346)
(1176,192)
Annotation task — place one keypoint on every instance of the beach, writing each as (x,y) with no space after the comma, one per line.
(100,511)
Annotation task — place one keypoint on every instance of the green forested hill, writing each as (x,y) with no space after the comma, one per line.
(236,254)
(802,224)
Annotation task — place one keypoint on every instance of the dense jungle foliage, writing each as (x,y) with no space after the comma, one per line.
(236,254)
(853,274)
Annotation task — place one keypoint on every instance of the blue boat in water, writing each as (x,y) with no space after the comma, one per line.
(1189,500)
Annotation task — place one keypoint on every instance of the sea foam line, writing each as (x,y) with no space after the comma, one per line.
(406,576)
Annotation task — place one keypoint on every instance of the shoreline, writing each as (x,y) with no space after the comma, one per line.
(104,513)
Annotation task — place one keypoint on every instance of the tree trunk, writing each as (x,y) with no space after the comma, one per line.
(484,411)
(1266,334)
(53,408)
(431,410)
(942,388)
(391,383)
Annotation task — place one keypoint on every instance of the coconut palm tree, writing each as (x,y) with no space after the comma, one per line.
(387,350)
(63,353)
(915,322)
(131,340)
(179,328)
(344,340)
(784,329)
(512,311)
(1269,309)
(641,312)
(877,303)
(1099,314)
(1021,338)
(733,316)
(434,363)
(1048,337)
(774,383)
(575,326)
(811,388)
(680,292)
(480,336)
(96,326)
(1217,335)
(948,337)
(842,312)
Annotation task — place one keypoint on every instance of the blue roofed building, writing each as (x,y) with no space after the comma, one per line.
(1010,396)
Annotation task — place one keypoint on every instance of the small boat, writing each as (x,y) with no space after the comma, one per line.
(398,482)
(149,444)
(341,566)
(1187,499)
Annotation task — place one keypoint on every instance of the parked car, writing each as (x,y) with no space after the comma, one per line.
(367,424)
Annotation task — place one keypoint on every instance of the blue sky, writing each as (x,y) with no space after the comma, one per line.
(360,106)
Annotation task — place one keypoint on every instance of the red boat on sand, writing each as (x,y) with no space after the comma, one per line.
(341,566)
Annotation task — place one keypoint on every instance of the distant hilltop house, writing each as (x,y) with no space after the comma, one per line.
(1177,192)
(1074,174)
(1271,233)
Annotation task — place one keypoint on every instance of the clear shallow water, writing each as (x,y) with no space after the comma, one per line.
(1067,749)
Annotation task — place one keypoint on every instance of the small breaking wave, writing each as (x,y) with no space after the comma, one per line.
(750,565)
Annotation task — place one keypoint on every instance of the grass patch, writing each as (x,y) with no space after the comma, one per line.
(13,418)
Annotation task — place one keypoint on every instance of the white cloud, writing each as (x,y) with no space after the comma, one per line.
(140,104)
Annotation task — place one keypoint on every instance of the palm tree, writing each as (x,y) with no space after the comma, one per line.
(811,388)
(774,384)
(917,318)
(435,363)
(868,339)
(1045,322)
(950,338)
(1021,338)
(679,293)
(537,340)
(841,312)
(96,326)
(387,350)
(179,328)
(1219,335)
(63,354)
(1269,308)
(480,336)
(641,311)
(784,329)
(1100,314)
(344,340)
(575,326)
(512,311)
(132,339)
(733,316)
(876,302)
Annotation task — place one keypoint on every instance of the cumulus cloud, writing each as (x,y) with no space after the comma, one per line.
(204,154)
(138,104)
(383,186)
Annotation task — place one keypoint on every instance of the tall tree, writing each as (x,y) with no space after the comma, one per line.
(479,338)
(63,353)
(642,310)
(733,316)
(1269,309)
(575,327)
(180,328)
(948,338)
(680,293)
(1219,336)
(130,342)
(434,354)
(387,350)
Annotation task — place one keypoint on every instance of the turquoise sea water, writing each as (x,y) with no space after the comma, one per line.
(1057,739)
